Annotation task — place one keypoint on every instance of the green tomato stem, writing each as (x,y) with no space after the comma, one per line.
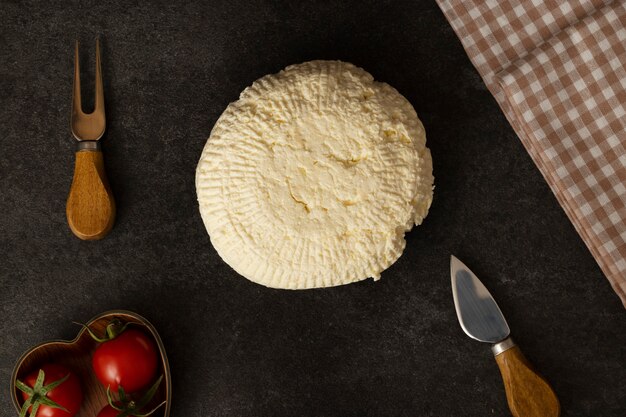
(130,407)
(113,329)
(37,395)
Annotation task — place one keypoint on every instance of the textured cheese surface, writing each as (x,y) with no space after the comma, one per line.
(313,176)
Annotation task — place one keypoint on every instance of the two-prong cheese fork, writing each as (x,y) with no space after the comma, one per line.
(90,205)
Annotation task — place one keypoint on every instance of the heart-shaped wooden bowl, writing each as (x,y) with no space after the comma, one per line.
(76,355)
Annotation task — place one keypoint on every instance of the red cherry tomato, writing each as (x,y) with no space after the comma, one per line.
(69,394)
(109,411)
(129,360)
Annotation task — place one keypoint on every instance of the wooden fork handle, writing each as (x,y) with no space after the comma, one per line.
(90,205)
(528,393)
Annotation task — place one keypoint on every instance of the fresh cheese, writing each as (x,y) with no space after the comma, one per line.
(313,176)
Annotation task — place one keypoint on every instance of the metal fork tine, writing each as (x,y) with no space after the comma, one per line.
(88,127)
(99,99)
(76,101)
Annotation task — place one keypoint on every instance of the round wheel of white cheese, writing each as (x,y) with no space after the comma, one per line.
(313,176)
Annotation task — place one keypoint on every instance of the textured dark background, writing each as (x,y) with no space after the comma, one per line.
(387,348)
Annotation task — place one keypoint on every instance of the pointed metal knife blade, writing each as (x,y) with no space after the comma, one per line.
(479,315)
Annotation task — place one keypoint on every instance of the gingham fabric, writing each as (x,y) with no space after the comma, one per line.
(556,68)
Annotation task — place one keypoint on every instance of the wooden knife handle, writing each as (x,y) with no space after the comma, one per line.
(527,392)
(90,205)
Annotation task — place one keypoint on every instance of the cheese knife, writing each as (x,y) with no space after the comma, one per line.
(528,394)
(90,205)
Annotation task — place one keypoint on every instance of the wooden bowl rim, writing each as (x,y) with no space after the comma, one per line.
(143,320)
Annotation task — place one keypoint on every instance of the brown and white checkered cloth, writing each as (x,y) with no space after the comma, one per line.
(557,69)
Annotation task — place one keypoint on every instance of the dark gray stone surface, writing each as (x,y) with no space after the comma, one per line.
(387,348)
